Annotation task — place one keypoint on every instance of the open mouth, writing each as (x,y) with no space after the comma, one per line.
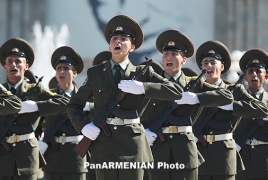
(169,64)
(62,77)
(117,48)
(14,71)
(209,72)
(254,80)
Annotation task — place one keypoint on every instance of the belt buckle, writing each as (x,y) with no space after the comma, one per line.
(172,129)
(14,138)
(62,139)
(211,139)
(118,121)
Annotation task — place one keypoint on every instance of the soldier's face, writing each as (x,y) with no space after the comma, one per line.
(214,68)
(172,61)
(15,67)
(65,74)
(120,47)
(255,77)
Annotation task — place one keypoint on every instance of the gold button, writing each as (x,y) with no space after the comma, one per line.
(13,144)
(171,136)
(118,105)
(99,90)
(154,104)
(115,128)
(63,134)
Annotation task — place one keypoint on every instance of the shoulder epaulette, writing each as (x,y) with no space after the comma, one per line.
(210,85)
(159,77)
(3,89)
(48,92)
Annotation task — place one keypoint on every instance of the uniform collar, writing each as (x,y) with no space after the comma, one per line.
(15,86)
(68,91)
(176,76)
(258,94)
(123,64)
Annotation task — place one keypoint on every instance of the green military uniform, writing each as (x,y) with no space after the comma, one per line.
(128,142)
(180,147)
(24,159)
(222,161)
(64,163)
(257,144)
(9,103)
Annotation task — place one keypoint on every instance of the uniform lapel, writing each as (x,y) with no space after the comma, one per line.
(107,74)
(182,80)
(130,69)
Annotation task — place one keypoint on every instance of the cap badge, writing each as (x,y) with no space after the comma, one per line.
(171,43)
(211,51)
(255,61)
(15,50)
(63,58)
(119,28)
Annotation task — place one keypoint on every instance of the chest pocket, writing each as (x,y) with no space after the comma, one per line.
(101,93)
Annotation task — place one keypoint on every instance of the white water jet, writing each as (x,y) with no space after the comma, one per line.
(44,44)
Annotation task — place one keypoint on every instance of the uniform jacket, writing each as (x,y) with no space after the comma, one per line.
(182,145)
(221,157)
(25,155)
(256,163)
(128,142)
(64,159)
(9,103)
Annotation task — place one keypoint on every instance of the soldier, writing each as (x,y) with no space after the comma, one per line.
(179,146)
(23,160)
(127,142)
(62,161)
(254,63)
(214,126)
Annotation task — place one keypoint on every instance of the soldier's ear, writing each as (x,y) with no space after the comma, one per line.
(266,76)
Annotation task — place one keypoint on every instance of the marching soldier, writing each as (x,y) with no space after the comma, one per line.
(21,159)
(214,126)
(254,63)
(127,142)
(179,146)
(62,161)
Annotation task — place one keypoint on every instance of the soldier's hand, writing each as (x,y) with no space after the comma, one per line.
(228,107)
(131,86)
(87,107)
(42,146)
(188,98)
(28,106)
(151,136)
(91,131)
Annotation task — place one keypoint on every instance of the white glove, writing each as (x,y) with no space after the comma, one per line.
(42,146)
(87,107)
(151,136)
(28,106)
(188,98)
(91,131)
(131,86)
(265,119)
(238,148)
(196,139)
(228,107)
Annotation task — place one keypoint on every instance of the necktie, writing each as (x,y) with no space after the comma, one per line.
(13,90)
(254,95)
(171,79)
(117,75)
